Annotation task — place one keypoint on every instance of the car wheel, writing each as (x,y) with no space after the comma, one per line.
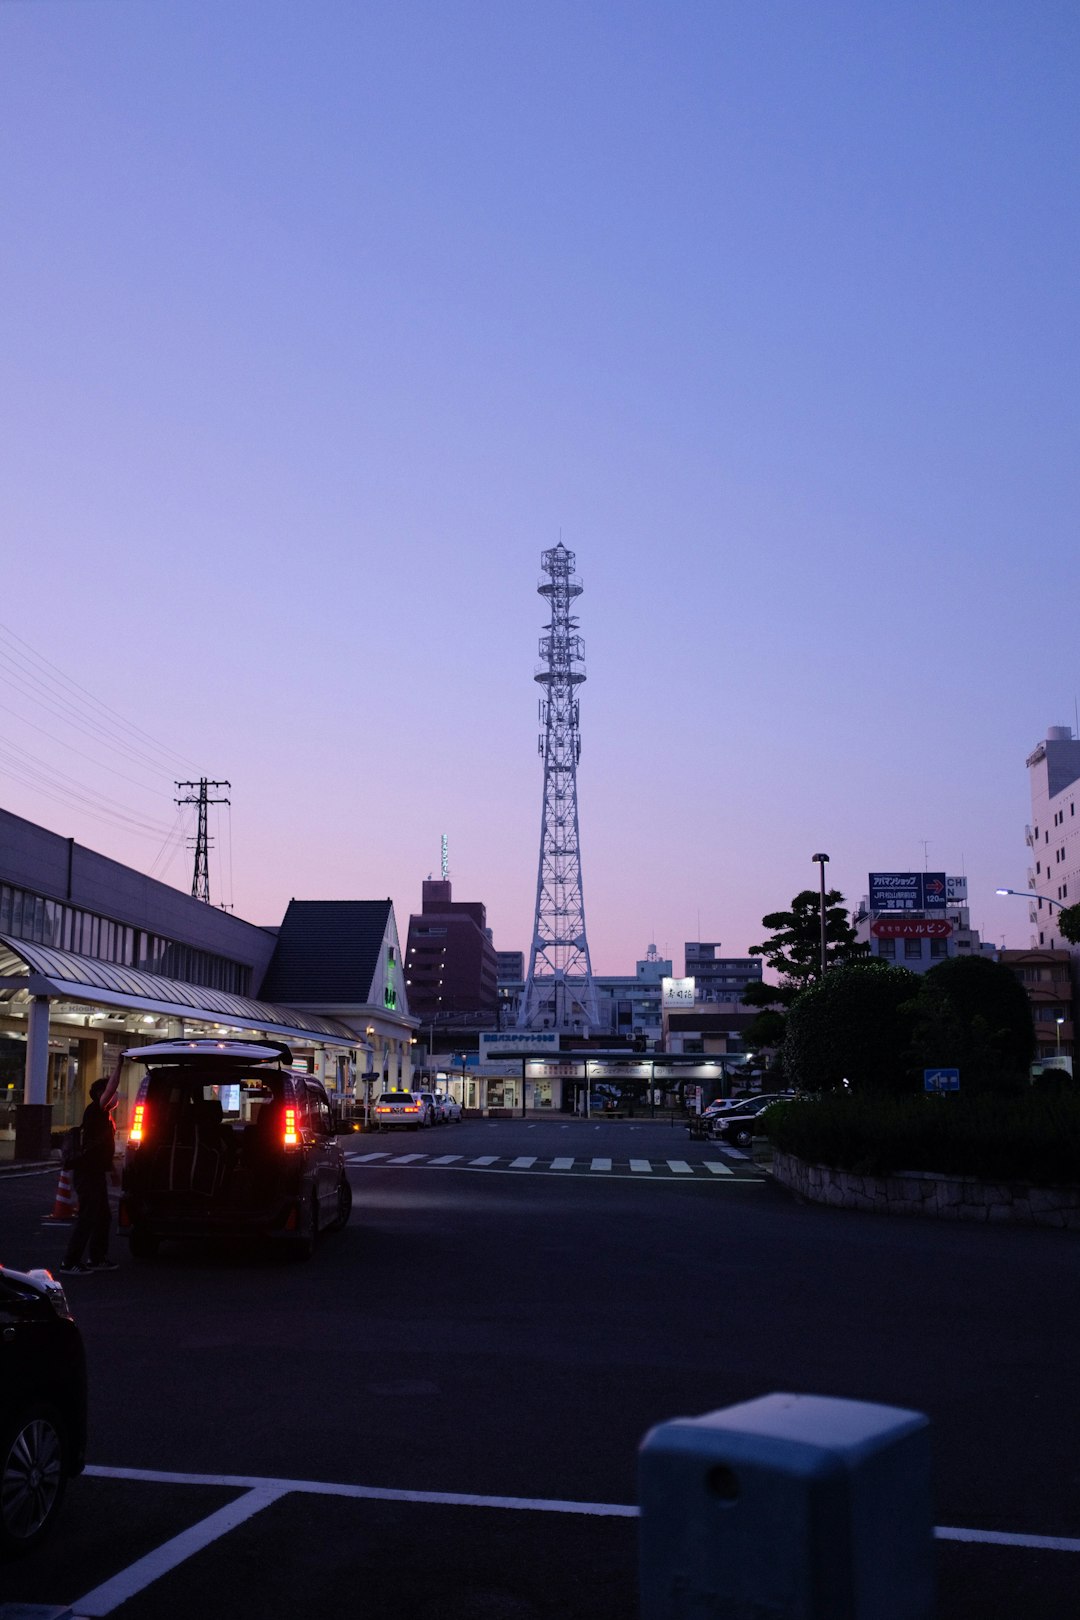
(33,1478)
(743,1137)
(344,1205)
(143,1244)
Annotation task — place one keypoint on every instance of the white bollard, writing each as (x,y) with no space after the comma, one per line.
(791,1507)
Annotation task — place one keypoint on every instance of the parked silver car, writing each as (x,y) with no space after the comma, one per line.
(450,1110)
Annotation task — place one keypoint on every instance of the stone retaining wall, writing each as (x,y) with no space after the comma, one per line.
(924,1192)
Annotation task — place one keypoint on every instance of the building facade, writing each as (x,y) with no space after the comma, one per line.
(1047,977)
(451,964)
(1053,834)
(719,978)
(912,927)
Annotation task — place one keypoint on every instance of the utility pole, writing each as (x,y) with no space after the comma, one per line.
(200,883)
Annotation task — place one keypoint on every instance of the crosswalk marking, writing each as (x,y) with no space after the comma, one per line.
(657,1169)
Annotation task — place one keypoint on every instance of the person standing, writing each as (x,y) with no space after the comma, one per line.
(91,1171)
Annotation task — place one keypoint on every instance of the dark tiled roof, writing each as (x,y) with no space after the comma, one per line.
(326,952)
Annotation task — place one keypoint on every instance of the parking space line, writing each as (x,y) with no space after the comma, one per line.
(110,1594)
(261,1492)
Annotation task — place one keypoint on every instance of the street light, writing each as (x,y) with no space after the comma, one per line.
(821,860)
(1059,1022)
(1032,894)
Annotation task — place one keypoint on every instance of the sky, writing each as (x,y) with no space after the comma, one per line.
(321,320)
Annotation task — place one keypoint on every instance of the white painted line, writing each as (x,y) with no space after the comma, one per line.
(717,1168)
(521,1164)
(1001,1538)
(363,1158)
(271,1489)
(640,1164)
(145,1571)
(600,1164)
(562,1164)
(408,1158)
(680,1167)
(448,1158)
(264,1491)
(492,1159)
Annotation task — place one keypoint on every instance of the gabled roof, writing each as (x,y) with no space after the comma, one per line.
(327,952)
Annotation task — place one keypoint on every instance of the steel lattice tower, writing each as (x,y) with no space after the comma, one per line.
(559,991)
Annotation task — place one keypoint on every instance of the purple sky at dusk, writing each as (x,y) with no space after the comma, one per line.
(320,322)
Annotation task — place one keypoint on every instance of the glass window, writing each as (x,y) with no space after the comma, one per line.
(886,948)
(913,950)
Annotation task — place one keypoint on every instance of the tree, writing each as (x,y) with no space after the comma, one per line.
(794,951)
(853,1026)
(1069,923)
(973,1014)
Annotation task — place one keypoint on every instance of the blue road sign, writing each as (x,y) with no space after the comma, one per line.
(941,1079)
(908,891)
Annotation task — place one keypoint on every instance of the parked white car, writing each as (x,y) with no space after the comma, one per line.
(449,1108)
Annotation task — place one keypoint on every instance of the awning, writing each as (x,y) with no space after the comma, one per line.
(41,970)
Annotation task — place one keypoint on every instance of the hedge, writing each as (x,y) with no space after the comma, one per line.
(1030,1137)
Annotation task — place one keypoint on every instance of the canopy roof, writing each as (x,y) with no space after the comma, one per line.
(41,970)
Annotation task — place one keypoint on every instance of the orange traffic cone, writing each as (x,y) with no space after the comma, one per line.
(65,1208)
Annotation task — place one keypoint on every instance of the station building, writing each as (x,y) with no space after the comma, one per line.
(96,957)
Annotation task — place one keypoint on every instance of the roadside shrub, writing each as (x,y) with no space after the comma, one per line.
(1033,1137)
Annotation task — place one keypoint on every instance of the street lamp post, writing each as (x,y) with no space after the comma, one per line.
(1032,894)
(1059,1022)
(821,861)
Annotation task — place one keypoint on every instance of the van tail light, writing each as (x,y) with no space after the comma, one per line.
(135,1135)
(292,1135)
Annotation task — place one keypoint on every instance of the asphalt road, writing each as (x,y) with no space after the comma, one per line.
(510,1330)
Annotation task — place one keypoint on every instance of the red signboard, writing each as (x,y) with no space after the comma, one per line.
(911,928)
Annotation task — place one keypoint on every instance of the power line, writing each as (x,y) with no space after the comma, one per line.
(56,677)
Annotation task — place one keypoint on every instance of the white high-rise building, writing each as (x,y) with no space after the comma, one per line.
(1054,834)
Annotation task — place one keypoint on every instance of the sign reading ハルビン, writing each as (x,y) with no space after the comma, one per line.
(908,891)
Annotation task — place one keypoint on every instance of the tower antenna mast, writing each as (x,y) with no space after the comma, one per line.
(559,991)
(200,883)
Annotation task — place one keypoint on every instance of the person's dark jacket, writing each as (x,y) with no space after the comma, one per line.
(98,1142)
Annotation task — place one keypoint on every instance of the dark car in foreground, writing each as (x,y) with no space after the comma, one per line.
(42,1406)
(227,1140)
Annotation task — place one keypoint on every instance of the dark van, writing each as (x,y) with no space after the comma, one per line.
(227,1140)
